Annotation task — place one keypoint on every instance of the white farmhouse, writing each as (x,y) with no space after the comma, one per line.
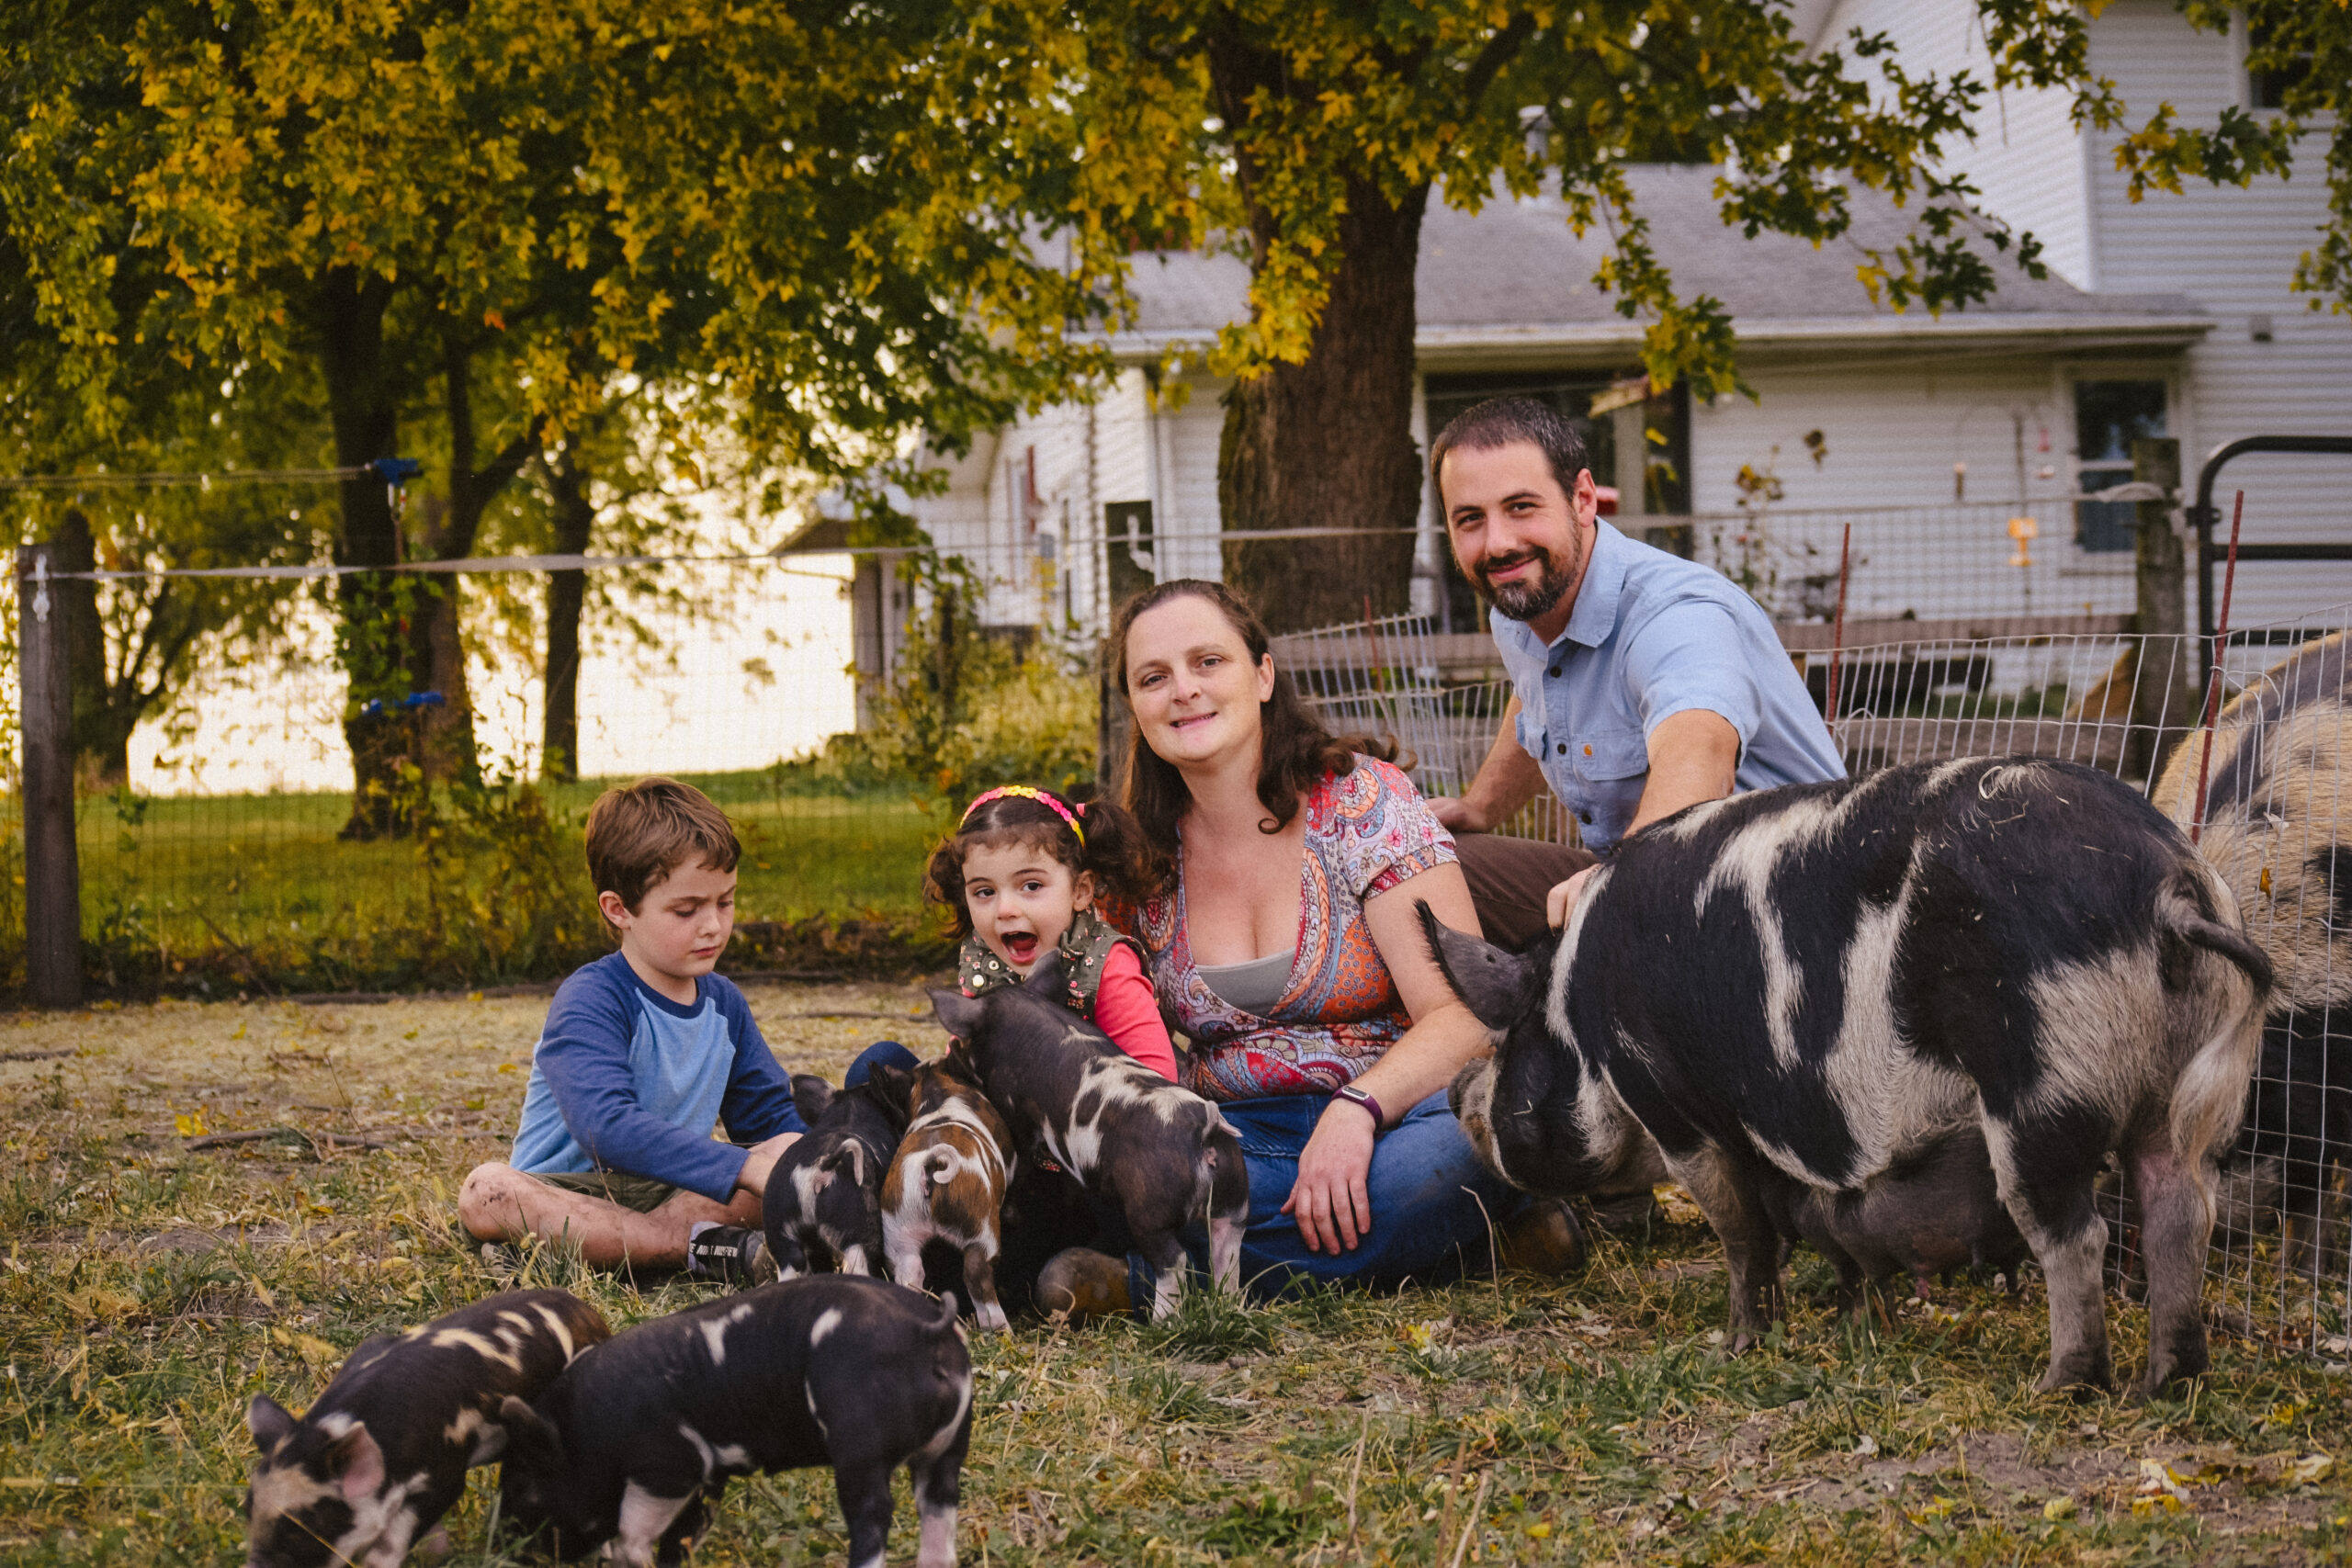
(1949,444)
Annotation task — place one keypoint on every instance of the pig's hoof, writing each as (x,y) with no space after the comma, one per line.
(2173,1374)
(2085,1377)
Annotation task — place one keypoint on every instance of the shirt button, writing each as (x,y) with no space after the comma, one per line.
(1554,672)
(1564,748)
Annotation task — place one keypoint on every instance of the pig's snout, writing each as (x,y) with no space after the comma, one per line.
(1472,1097)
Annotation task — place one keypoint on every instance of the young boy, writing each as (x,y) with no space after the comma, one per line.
(642,1051)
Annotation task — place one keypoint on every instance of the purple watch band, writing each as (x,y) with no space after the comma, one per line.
(1355,1096)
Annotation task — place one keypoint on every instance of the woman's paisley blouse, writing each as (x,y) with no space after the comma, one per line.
(1366,833)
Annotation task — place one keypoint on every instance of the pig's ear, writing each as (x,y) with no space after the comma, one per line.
(489,1443)
(1496,986)
(355,1463)
(530,1437)
(1049,977)
(957,1014)
(894,1088)
(810,1096)
(268,1421)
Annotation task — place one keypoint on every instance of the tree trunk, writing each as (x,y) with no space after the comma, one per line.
(349,318)
(575,518)
(1327,442)
(101,745)
(446,737)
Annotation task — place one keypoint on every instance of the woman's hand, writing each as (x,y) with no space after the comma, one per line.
(1330,1201)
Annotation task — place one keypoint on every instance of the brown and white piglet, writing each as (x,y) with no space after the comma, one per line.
(383,1453)
(947,1184)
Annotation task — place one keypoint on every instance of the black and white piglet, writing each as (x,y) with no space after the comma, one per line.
(383,1452)
(823,1203)
(1073,1099)
(632,1443)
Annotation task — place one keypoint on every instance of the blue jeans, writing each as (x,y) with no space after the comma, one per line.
(1431,1202)
(881,1053)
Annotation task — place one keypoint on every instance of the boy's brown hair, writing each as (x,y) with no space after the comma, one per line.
(639,834)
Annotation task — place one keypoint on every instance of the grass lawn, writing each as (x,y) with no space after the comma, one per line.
(261,884)
(148,1292)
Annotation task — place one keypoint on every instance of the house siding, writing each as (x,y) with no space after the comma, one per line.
(1187,516)
(1125,446)
(2024,157)
(1891,435)
(2234,251)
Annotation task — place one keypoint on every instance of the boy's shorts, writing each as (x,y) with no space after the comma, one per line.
(641,1193)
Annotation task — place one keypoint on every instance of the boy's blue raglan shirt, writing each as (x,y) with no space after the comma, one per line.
(625,1079)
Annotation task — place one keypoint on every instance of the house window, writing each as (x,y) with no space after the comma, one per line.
(2108,416)
(2267,88)
(1127,537)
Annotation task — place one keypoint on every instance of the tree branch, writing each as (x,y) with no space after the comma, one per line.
(1499,51)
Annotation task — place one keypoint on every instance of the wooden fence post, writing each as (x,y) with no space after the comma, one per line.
(2164,704)
(53,861)
(1110,730)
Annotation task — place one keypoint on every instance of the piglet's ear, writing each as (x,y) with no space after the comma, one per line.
(1497,986)
(531,1438)
(268,1421)
(810,1096)
(1050,975)
(957,1014)
(893,1088)
(355,1461)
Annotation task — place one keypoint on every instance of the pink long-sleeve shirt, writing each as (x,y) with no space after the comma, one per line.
(1126,1011)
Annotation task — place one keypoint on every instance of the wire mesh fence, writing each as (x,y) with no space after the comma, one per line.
(1386,679)
(235,845)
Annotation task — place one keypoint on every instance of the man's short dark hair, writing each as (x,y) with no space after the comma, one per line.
(1500,421)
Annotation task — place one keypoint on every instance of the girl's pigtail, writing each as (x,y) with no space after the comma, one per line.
(942,884)
(1115,851)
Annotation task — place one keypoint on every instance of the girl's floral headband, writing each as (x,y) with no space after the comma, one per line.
(1026,792)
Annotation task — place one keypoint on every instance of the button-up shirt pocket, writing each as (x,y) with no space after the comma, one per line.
(1612,767)
(1601,755)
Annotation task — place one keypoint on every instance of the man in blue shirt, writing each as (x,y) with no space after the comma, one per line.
(1642,683)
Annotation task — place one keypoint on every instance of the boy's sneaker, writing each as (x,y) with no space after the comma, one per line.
(730,1254)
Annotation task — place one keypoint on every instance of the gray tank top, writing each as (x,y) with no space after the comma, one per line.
(1253,986)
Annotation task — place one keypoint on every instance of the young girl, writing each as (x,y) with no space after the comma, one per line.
(1021,875)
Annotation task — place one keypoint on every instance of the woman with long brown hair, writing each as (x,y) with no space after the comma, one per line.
(1283,869)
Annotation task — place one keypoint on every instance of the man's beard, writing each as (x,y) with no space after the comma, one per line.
(1524,600)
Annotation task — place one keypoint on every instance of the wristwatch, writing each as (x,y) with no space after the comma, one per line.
(1355,1096)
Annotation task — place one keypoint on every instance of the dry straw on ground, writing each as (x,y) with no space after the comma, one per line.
(148,1290)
